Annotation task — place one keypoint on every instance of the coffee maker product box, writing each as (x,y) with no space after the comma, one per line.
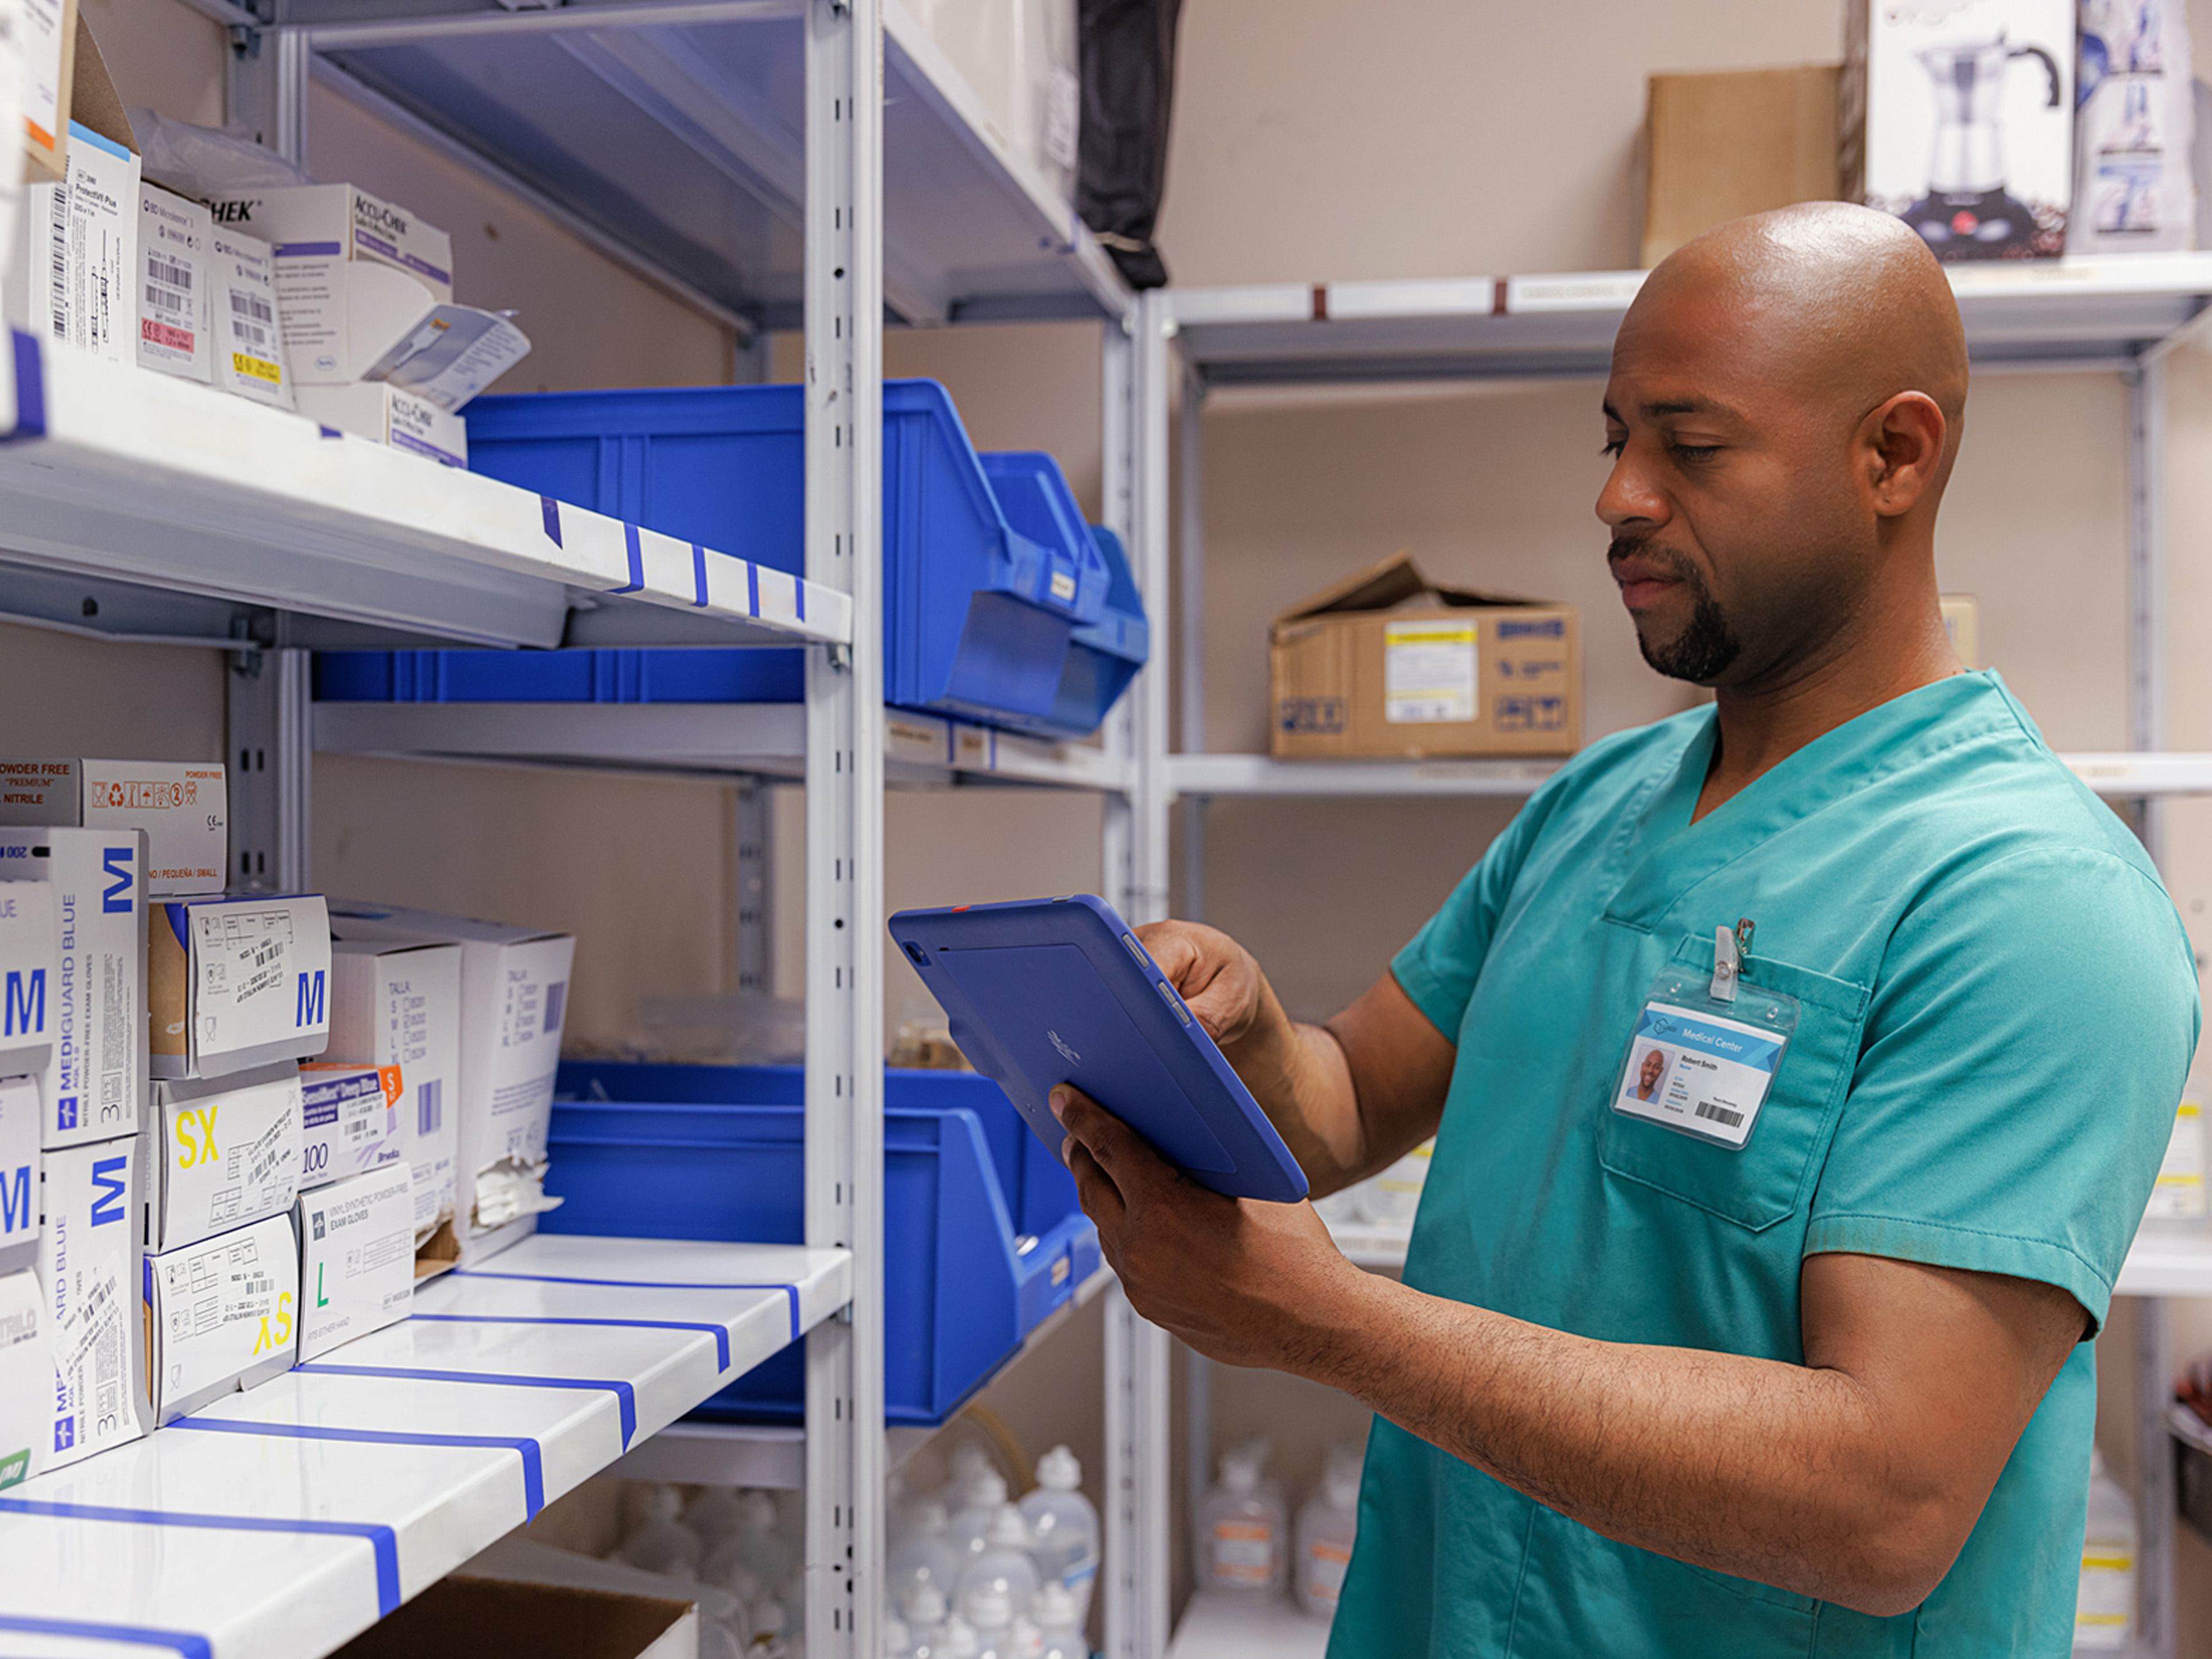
(356,1258)
(184,807)
(221,1152)
(29,973)
(2134,126)
(173,287)
(350,1119)
(251,358)
(382,413)
(233,983)
(222,1315)
(88,1260)
(352,271)
(1958,116)
(1387,663)
(94,1085)
(26,1379)
(1717,147)
(514,989)
(19,1175)
(399,1005)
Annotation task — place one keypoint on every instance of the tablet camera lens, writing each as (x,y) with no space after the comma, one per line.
(919,955)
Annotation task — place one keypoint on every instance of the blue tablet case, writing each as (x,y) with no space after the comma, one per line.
(1051,991)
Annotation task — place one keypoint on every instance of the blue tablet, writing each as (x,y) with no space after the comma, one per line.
(1051,991)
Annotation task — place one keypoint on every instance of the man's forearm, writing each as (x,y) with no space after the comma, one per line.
(1768,1471)
(1299,1075)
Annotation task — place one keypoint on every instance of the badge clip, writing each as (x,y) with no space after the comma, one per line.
(1731,946)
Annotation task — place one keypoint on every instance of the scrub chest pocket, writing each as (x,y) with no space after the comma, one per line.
(1763,1182)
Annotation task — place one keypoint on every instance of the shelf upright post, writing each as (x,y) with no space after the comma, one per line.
(2147,687)
(270,738)
(1137,1352)
(1117,445)
(845,1446)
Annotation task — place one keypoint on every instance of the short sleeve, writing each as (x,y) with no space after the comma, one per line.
(1438,967)
(2025,1047)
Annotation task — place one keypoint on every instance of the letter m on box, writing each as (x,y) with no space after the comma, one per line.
(310,1010)
(25,1011)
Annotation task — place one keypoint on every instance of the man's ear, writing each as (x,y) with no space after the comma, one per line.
(1901,442)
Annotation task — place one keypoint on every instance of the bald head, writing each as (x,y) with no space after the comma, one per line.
(1787,397)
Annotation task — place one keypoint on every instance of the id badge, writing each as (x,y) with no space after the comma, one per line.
(1705,1053)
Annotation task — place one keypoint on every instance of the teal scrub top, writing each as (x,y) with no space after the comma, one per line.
(1997,1010)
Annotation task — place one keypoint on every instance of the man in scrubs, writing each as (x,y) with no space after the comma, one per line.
(1795,1359)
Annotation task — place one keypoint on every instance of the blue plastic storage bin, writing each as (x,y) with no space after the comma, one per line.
(596,676)
(719,1152)
(1000,604)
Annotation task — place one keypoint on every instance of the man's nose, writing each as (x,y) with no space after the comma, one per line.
(1629,498)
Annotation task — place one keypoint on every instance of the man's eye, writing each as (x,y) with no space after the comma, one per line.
(1694,454)
(1612,448)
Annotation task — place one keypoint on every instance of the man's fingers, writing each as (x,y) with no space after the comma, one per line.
(1117,1147)
(1101,1199)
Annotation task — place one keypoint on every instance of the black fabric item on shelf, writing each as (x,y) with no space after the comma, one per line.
(1129,50)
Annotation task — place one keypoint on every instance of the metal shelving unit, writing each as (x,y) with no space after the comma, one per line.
(774,163)
(2123,315)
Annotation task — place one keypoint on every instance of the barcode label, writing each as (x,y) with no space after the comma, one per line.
(165,298)
(243,304)
(249,334)
(1720,1114)
(168,270)
(556,994)
(60,280)
(429,1107)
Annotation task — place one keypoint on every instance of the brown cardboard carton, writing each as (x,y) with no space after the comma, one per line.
(48,31)
(1387,663)
(1717,147)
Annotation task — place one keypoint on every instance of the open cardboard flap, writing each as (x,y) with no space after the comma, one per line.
(1387,586)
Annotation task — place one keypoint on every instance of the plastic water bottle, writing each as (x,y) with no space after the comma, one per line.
(2105,1608)
(1066,1528)
(1240,1530)
(970,1461)
(956,1640)
(1059,1627)
(969,1530)
(757,1546)
(897,1644)
(661,1543)
(1325,1526)
(924,1556)
(924,1610)
(1004,1568)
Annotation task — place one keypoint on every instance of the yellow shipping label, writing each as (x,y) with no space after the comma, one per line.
(257,367)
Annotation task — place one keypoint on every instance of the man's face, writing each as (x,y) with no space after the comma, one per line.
(1654,1063)
(1738,537)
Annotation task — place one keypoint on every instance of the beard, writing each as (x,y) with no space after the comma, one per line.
(1708,646)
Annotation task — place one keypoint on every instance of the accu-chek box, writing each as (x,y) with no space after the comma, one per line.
(221,1152)
(94,1085)
(356,1258)
(233,983)
(222,1315)
(89,1267)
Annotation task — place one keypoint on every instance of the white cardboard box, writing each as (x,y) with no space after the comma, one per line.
(75,272)
(26,1379)
(1958,116)
(356,1258)
(514,989)
(222,1315)
(400,1004)
(173,255)
(352,271)
(184,807)
(27,975)
(19,1175)
(2134,129)
(232,984)
(93,1087)
(350,1115)
(47,29)
(251,357)
(383,413)
(88,1268)
(221,1153)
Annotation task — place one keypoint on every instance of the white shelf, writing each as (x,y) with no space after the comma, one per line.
(766,738)
(2079,312)
(118,474)
(276,1524)
(1215,1627)
(2157,1264)
(676,128)
(2119,776)
(768,1455)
